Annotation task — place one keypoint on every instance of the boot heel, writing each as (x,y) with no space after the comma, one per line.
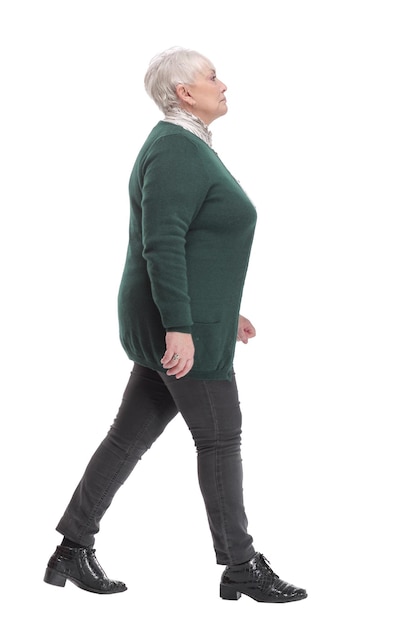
(53,578)
(226,593)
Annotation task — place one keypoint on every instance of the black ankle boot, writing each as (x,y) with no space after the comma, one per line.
(257,580)
(80,566)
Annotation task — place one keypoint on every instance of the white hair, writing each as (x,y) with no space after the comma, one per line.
(169,69)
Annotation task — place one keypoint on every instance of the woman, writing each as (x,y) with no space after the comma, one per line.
(191,231)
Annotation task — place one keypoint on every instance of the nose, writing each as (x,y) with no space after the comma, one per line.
(223,87)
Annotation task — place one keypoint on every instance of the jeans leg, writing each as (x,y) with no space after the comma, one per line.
(146,409)
(211,410)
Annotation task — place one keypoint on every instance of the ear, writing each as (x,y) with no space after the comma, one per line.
(184,95)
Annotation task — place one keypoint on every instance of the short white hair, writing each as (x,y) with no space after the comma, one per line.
(167,70)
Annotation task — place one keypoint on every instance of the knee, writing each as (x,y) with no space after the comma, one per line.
(225,440)
(122,446)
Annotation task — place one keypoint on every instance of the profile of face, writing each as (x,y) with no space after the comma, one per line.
(205,97)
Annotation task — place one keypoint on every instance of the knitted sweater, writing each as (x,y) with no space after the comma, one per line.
(190,236)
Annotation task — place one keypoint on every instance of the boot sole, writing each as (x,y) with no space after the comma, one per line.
(55,578)
(230,593)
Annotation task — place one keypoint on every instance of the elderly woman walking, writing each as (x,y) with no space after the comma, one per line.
(190,237)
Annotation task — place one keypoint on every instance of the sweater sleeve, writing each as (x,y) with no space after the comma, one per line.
(174,185)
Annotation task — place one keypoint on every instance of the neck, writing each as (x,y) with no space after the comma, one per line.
(190,122)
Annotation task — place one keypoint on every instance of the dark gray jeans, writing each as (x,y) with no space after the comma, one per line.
(151,399)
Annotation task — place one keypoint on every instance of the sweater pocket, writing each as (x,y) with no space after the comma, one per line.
(209,346)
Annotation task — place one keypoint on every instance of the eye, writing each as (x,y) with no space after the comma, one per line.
(214,78)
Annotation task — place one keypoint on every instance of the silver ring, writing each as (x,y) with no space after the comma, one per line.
(175,357)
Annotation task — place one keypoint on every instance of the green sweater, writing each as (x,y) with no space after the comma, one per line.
(190,235)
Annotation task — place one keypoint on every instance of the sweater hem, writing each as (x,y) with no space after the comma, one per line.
(222,374)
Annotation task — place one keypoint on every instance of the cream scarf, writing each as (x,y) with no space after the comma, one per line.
(190,122)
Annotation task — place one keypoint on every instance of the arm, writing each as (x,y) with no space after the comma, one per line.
(174,185)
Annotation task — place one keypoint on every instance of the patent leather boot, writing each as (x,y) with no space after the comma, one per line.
(256,579)
(80,566)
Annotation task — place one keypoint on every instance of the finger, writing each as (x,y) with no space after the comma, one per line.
(170,359)
(175,362)
(176,367)
(181,369)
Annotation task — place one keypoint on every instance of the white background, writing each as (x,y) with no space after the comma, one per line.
(321,132)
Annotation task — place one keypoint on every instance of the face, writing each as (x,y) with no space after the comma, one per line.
(205,97)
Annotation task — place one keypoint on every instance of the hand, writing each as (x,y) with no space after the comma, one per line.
(179,354)
(245,330)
